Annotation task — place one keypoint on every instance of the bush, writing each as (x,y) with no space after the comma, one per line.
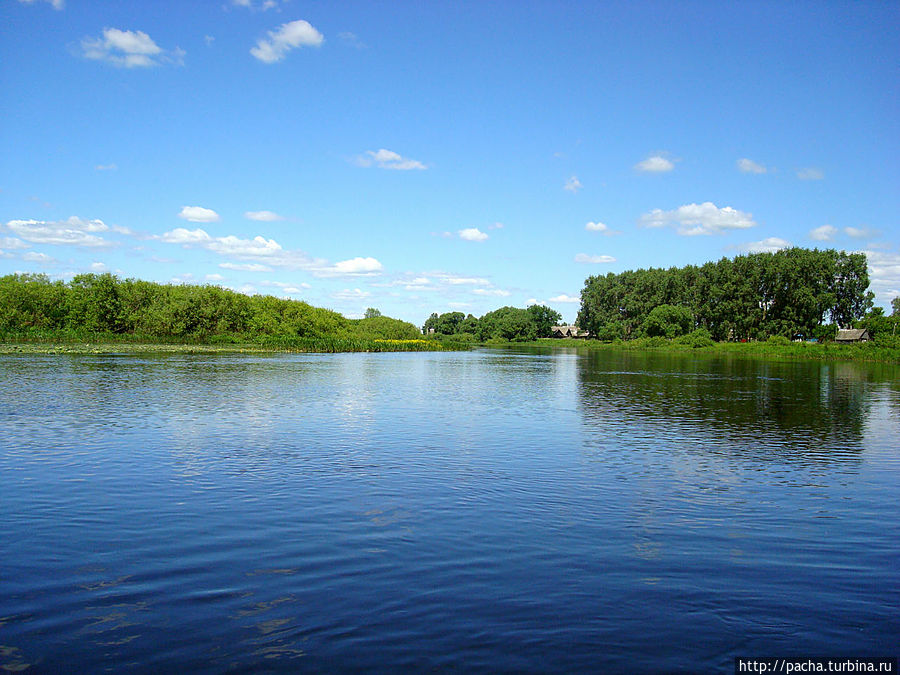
(696,340)
(778,340)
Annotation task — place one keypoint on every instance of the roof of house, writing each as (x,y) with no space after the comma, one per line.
(851,334)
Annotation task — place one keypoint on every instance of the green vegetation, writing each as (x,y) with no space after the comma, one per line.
(102,309)
(789,293)
(504,324)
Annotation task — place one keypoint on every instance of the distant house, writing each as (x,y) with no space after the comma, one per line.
(567,332)
(852,335)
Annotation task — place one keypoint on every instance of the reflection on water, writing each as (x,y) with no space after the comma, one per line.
(539,511)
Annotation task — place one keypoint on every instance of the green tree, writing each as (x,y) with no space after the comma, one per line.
(668,321)
(371,313)
(543,319)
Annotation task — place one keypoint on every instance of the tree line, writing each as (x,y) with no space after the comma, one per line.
(104,303)
(506,323)
(791,292)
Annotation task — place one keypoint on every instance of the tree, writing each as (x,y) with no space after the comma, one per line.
(543,319)
(668,321)
(371,313)
(895,306)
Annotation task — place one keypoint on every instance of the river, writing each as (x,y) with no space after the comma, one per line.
(485,511)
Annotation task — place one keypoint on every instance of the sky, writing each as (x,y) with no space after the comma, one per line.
(421,157)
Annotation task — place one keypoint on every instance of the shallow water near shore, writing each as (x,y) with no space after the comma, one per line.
(495,510)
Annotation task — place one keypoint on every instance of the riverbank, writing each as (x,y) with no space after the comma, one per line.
(298,345)
(818,351)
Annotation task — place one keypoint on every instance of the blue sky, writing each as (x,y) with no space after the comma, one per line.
(431,157)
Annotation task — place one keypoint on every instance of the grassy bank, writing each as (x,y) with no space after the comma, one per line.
(819,351)
(44,342)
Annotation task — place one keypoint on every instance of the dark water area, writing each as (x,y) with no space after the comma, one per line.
(487,511)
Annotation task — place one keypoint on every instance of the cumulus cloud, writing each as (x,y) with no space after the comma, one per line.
(823,233)
(350,294)
(388,159)
(357,267)
(129,49)
(749,166)
(594,259)
(285,38)
(455,280)
(245,267)
(655,164)
(214,277)
(72,232)
(497,292)
(12,244)
(41,258)
(472,234)
(884,274)
(57,4)
(263,216)
(860,232)
(262,5)
(267,253)
(565,298)
(694,219)
(767,245)
(572,185)
(99,267)
(198,214)
(597,227)
(229,246)
(810,173)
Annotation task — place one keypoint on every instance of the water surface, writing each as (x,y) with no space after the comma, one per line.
(495,511)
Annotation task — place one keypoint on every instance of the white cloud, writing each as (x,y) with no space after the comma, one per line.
(572,185)
(810,173)
(198,214)
(268,252)
(694,219)
(258,247)
(749,166)
(261,5)
(496,226)
(597,227)
(860,232)
(823,233)
(565,298)
(286,37)
(455,280)
(57,4)
(350,294)
(263,216)
(13,244)
(42,258)
(594,259)
(245,267)
(472,234)
(106,167)
(498,292)
(357,267)
(884,274)
(388,159)
(129,49)
(214,277)
(99,267)
(655,164)
(459,305)
(767,245)
(72,232)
